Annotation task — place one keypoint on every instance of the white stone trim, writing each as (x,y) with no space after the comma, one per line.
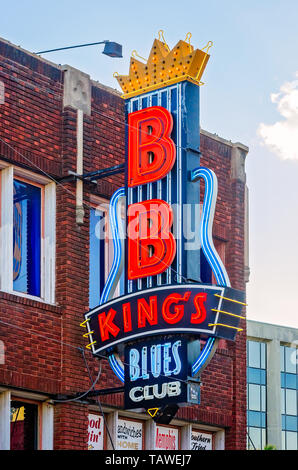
(150,430)
(219,440)
(6,272)
(186,437)
(49,262)
(47,426)
(112,421)
(5,420)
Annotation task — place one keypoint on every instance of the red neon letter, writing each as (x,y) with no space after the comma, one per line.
(151,151)
(151,245)
(106,324)
(126,317)
(147,312)
(200,315)
(175,317)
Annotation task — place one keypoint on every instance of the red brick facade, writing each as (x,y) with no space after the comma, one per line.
(41,346)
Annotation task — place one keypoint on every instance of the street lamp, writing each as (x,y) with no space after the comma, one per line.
(112,49)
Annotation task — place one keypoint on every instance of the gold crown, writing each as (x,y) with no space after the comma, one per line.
(164,67)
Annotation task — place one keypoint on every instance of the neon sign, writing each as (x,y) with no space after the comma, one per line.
(151,151)
(151,245)
(157,370)
(169,298)
(192,309)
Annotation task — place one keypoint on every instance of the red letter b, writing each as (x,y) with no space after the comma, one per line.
(151,245)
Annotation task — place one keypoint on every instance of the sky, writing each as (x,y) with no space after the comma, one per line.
(250,96)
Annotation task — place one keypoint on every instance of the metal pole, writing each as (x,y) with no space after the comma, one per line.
(73,47)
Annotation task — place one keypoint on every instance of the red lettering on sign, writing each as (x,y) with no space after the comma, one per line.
(151,151)
(147,312)
(175,317)
(126,310)
(151,245)
(200,315)
(106,324)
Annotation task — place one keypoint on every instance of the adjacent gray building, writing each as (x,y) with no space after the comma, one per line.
(272,383)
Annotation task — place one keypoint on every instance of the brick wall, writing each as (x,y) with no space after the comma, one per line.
(41,136)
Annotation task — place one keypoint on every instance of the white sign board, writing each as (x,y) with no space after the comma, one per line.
(200,441)
(95,432)
(129,435)
(166,438)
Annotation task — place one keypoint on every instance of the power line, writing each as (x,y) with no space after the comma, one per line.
(85,393)
(99,402)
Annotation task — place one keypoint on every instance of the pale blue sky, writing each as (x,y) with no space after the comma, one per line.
(254,55)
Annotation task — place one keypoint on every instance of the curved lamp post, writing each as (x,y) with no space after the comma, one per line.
(111,48)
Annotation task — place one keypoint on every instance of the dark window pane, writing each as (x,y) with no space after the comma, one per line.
(263,420)
(291,381)
(254,375)
(254,419)
(283,379)
(263,377)
(23,426)
(291,423)
(26,238)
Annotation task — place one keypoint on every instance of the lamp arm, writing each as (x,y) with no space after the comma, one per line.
(73,47)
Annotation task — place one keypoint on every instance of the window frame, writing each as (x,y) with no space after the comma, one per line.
(9,173)
(261,389)
(42,233)
(286,350)
(103,206)
(38,420)
(134,420)
(172,426)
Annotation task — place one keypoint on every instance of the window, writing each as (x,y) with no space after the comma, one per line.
(23,426)
(101,254)
(256,395)
(166,438)
(130,434)
(26,422)
(27,228)
(289,397)
(95,432)
(28,225)
(98,254)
